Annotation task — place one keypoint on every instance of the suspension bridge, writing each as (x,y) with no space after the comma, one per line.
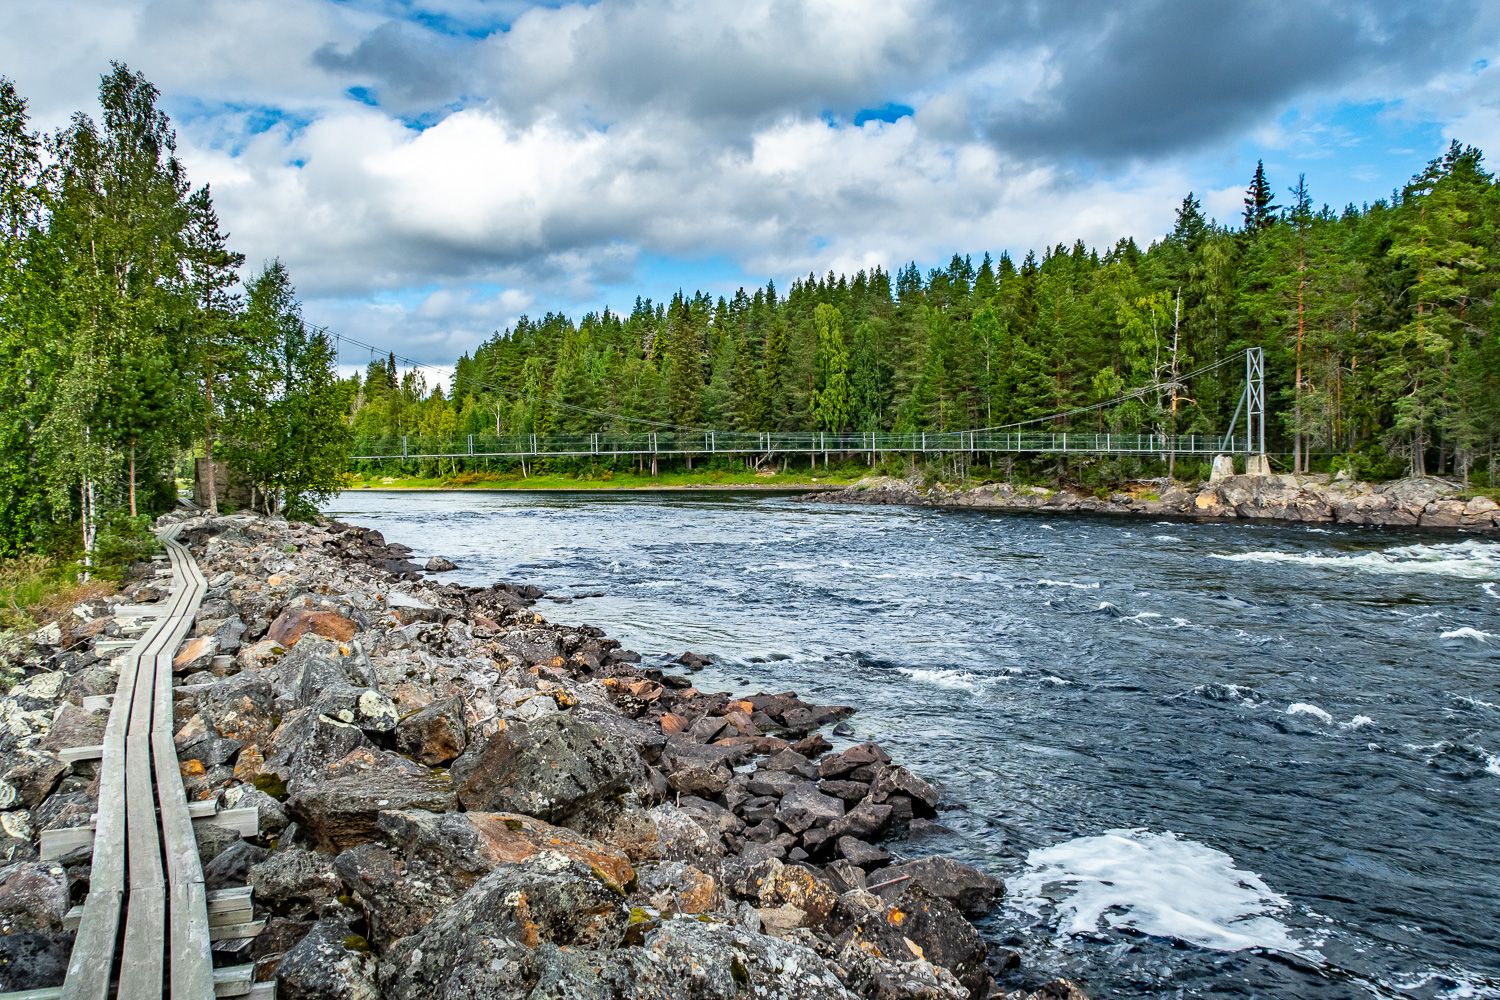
(1247,438)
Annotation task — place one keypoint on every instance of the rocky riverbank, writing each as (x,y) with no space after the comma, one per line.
(460,799)
(1424,503)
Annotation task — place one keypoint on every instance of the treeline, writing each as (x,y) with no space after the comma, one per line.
(126,337)
(1376,322)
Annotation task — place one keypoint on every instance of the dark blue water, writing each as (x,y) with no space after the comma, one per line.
(1209,759)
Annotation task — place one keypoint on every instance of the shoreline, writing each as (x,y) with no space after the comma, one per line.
(714,487)
(454,794)
(1405,503)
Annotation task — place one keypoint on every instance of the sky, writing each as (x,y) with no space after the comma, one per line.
(429,170)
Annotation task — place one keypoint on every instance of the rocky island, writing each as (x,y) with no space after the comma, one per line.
(452,797)
(1416,503)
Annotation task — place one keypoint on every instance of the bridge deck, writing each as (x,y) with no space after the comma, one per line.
(740,443)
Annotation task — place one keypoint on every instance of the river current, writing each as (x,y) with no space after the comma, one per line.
(1209,760)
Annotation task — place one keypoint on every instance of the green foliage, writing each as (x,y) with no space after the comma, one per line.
(123,339)
(1377,324)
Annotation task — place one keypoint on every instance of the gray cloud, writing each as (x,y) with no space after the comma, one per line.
(1147,78)
(409,66)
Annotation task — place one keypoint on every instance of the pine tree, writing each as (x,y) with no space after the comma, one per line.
(1260,207)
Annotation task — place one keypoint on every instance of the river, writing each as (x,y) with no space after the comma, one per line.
(1209,760)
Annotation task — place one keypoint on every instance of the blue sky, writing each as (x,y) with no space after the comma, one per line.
(430,169)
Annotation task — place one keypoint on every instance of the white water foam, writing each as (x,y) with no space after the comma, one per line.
(1302,708)
(1471,559)
(953,680)
(1468,632)
(1489,588)
(1068,583)
(1165,538)
(1156,884)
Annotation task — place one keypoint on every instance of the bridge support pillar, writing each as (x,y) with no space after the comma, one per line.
(1257,465)
(1223,468)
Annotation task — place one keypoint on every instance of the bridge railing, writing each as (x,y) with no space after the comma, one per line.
(741,442)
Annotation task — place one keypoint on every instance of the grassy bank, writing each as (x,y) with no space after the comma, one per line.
(36,589)
(668,479)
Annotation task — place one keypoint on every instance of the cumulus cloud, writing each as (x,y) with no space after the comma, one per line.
(430,167)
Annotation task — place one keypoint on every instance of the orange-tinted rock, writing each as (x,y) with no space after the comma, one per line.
(671,723)
(293,623)
(196,654)
(510,838)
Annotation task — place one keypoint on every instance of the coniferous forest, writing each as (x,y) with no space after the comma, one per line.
(1376,320)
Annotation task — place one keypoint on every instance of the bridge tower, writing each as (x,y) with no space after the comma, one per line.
(1256,463)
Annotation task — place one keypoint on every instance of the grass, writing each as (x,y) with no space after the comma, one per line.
(36,589)
(606,480)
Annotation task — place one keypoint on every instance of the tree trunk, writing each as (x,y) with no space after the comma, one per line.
(1297,456)
(208,442)
(132,479)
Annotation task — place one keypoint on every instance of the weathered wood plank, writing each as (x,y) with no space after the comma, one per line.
(143,958)
(192,974)
(235,932)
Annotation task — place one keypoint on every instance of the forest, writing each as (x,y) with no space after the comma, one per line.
(1376,321)
(128,340)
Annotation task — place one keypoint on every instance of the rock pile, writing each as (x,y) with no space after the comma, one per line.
(460,799)
(1426,503)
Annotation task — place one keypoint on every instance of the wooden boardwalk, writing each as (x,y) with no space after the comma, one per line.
(144,930)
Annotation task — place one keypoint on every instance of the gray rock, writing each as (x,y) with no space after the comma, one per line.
(482,945)
(805,807)
(295,879)
(33,897)
(214,840)
(322,967)
(714,961)
(970,889)
(860,854)
(897,780)
(438,564)
(435,734)
(865,821)
(339,807)
(34,960)
(232,865)
(551,769)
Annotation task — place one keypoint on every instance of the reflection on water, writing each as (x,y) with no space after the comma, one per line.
(1211,760)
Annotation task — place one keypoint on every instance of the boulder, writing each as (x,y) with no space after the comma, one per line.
(532,646)
(438,564)
(399,898)
(482,946)
(195,655)
(435,734)
(967,888)
(680,838)
(838,765)
(715,961)
(293,623)
(232,865)
(33,897)
(804,807)
(864,821)
(295,880)
(240,708)
(339,807)
(860,854)
(33,960)
(791,885)
(472,844)
(895,780)
(678,887)
(306,744)
(918,925)
(876,978)
(327,964)
(35,779)
(74,727)
(551,768)
(409,609)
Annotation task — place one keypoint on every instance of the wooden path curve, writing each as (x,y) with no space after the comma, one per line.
(144,930)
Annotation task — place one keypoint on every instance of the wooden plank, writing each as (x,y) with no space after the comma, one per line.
(245,822)
(231,981)
(46,993)
(233,932)
(140,611)
(202,808)
(225,906)
(143,953)
(192,974)
(73,755)
(56,843)
(89,967)
(262,991)
(190,948)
